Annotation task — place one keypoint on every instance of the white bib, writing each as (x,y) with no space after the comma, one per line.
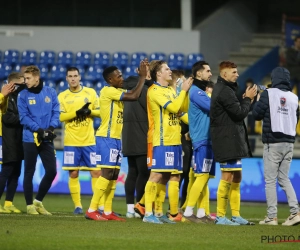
(283,107)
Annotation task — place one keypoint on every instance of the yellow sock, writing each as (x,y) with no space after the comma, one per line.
(74,187)
(197,189)
(7,203)
(203,201)
(159,199)
(235,198)
(222,197)
(150,194)
(93,183)
(173,193)
(110,193)
(100,188)
(191,182)
(142,201)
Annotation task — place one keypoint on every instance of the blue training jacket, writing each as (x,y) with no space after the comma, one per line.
(38,111)
(199,121)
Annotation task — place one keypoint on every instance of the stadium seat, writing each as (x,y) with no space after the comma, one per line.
(130,71)
(98,86)
(102,59)
(50,83)
(81,71)
(88,84)
(157,56)
(83,58)
(137,57)
(120,59)
(57,73)
(94,73)
(44,71)
(176,61)
(47,57)
(62,86)
(28,57)
(65,58)
(11,57)
(5,70)
(17,67)
(192,58)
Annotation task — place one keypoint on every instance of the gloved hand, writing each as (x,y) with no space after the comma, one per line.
(83,112)
(49,135)
(40,135)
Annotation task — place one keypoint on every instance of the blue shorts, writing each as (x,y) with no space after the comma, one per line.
(1,153)
(108,152)
(80,158)
(167,159)
(233,165)
(204,161)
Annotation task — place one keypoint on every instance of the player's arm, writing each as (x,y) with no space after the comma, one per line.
(201,100)
(95,111)
(133,95)
(55,110)
(184,117)
(261,106)
(11,117)
(6,89)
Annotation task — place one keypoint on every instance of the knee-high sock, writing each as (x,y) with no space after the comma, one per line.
(101,202)
(203,201)
(159,199)
(109,195)
(100,188)
(173,192)
(191,182)
(142,201)
(74,186)
(222,197)
(195,192)
(150,194)
(235,198)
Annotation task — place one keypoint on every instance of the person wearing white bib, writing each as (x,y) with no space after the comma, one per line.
(279,110)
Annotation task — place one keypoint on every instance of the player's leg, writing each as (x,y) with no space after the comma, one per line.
(130,184)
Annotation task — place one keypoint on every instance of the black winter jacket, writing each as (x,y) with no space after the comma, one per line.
(227,126)
(12,145)
(261,109)
(135,121)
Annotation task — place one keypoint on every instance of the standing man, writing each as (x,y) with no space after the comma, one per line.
(164,109)
(135,125)
(229,140)
(293,63)
(108,138)
(11,144)
(39,114)
(78,106)
(279,110)
(199,123)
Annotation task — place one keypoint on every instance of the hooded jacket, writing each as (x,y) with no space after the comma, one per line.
(280,78)
(135,120)
(227,127)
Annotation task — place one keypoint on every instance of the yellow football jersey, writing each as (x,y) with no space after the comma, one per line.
(78,133)
(111,112)
(167,127)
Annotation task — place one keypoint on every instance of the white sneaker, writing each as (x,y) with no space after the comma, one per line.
(292,220)
(268,221)
(130,215)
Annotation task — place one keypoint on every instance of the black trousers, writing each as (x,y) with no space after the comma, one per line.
(186,165)
(137,177)
(9,177)
(46,152)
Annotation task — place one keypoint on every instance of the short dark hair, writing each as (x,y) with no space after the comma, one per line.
(210,84)
(72,69)
(198,66)
(108,71)
(296,38)
(14,76)
(250,80)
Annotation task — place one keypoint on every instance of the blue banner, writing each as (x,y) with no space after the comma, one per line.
(291,31)
(252,185)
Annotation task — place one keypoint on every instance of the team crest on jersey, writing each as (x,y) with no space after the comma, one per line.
(47,99)
(282,101)
(86,100)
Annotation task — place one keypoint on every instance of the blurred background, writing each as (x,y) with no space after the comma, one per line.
(93,35)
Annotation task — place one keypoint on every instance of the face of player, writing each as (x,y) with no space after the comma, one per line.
(73,78)
(205,74)
(31,80)
(164,75)
(116,79)
(231,75)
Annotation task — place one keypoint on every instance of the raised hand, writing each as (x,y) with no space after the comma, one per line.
(187,84)
(7,89)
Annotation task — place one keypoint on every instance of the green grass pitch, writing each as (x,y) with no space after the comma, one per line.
(65,231)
